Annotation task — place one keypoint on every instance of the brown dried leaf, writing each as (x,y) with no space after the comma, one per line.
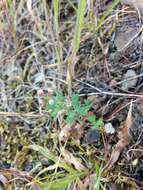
(125,132)
(124,140)
(74,131)
(65,133)
(69,158)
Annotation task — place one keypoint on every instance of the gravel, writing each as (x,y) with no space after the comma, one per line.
(130,79)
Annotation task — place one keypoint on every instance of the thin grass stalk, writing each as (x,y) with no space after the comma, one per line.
(56,15)
(79,25)
(76,41)
(58,48)
(72,5)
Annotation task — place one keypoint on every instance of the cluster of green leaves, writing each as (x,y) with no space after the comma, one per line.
(96,123)
(58,104)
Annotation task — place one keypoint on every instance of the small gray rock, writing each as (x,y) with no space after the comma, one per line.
(93,137)
(130,79)
(124,37)
(109,129)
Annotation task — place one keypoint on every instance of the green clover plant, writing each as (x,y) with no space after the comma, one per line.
(77,110)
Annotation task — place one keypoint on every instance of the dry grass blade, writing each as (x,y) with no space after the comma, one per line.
(124,140)
(3,179)
(29,7)
(58,47)
(16,114)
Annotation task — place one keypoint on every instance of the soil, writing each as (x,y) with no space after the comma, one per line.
(100,72)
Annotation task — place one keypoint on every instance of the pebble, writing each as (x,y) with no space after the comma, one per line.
(130,74)
(93,137)
(109,129)
(124,37)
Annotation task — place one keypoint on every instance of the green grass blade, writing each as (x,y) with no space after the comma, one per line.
(51,156)
(79,24)
(58,49)
(76,42)
(61,184)
(56,15)
(98,178)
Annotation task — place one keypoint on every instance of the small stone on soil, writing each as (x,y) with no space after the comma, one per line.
(130,79)
(93,137)
(124,37)
(109,129)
